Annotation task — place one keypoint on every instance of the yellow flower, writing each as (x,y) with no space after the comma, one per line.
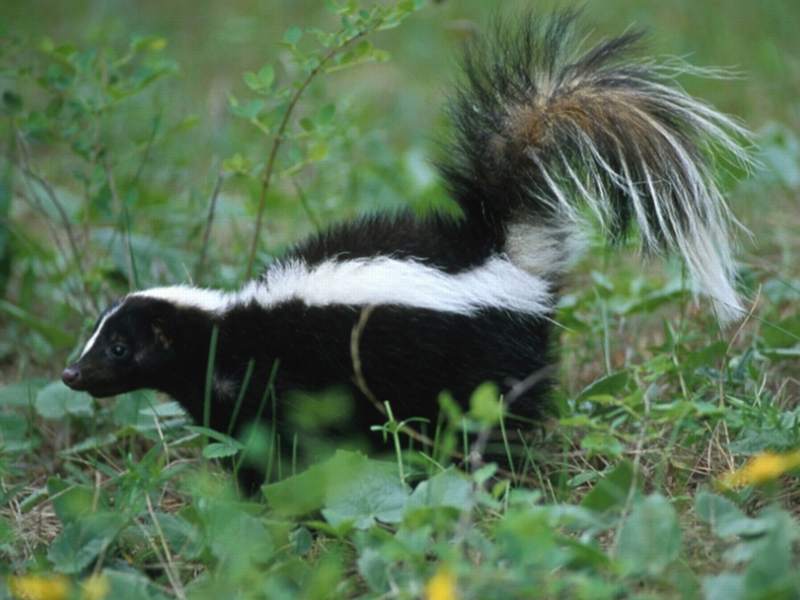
(95,587)
(35,587)
(762,468)
(442,586)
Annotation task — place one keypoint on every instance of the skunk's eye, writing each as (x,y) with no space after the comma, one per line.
(118,350)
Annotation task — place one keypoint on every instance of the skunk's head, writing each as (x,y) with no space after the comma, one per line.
(132,346)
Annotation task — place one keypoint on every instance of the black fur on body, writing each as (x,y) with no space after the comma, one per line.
(312,347)
(540,134)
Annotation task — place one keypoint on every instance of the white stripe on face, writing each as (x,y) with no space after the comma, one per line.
(97,331)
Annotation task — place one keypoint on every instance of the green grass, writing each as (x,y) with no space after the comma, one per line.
(125,163)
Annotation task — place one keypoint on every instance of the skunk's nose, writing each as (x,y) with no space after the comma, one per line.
(71,376)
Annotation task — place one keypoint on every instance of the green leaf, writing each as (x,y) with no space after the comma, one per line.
(82,541)
(613,490)
(348,487)
(650,539)
(222,438)
(725,586)
(236,537)
(318,151)
(219,450)
(56,400)
(261,81)
(448,489)
(599,443)
(611,385)
(373,567)
(307,124)
(708,356)
(21,394)
(772,573)
(131,585)
(724,516)
(180,534)
(163,410)
(326,114)
(485,404)
(292,35)
(248,110)
(237,164)
(73,502)
(372,493)
(148,43)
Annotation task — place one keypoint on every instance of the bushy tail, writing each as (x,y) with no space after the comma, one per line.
(543,130)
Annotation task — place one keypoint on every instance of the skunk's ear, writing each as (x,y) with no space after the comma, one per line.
(162,333)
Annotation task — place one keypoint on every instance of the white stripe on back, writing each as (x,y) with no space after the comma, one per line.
(497,283)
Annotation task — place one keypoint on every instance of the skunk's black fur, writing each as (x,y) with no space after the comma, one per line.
(539,134)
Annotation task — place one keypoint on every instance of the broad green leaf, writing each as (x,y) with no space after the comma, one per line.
(373,493)
(235,537)
(21,394)
(56,400)
(725,586)
(181,535)
(650,538)
(81,541)
(219,450)
(163,410)
(772,573)
(612,385)
(348,487)
(131,585)
(613,490)
(73,502)
(446,489)
(15,434)
(374,567)
(724,517)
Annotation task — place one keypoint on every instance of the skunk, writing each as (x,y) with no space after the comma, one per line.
(398,307)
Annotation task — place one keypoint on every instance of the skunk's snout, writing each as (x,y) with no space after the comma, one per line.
(71,376)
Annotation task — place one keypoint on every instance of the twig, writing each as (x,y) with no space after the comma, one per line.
(212,208)
(355,356)
(27,168)
(276,144)
(169,564)
(306,206)
(147,148)
(133,277)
